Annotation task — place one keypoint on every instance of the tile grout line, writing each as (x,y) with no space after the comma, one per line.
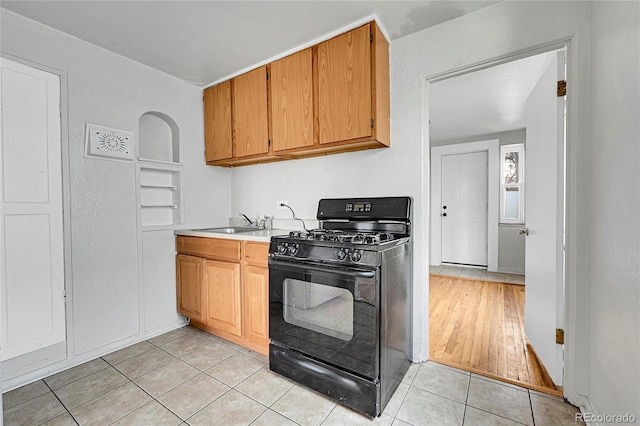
(154,398)
(200,372)
(466,399)
(79,378)
(268,408)
(533,417)
(489,412)
(395,416)
(265,365)
(63,405)
(130,380)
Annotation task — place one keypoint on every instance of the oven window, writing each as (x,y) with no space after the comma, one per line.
(320,308)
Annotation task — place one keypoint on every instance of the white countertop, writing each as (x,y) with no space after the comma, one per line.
(262,235)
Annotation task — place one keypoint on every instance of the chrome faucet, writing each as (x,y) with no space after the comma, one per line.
(248,221)
(267,222)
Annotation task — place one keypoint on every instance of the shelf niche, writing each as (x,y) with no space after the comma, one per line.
(160,196)
(159,138)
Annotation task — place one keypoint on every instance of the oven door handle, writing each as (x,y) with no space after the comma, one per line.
(326,269)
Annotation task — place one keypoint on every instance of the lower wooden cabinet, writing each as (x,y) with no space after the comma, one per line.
(224,289)
(256,304)
(224,296)
(189,286)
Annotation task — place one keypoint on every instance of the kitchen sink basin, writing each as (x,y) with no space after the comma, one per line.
(229,229)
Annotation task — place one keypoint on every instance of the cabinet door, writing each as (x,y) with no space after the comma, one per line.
(217,122)
(256,304)
(250,127)
(189,286)
(292,101)
(344,86)
(222,280)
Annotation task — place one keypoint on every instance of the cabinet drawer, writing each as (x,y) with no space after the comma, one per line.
(256,253)
(210,248)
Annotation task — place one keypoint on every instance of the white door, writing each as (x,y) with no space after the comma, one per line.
(544,206)
(464,208)
(31,233)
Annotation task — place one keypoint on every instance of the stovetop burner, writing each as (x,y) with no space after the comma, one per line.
(342,236)
(351,232)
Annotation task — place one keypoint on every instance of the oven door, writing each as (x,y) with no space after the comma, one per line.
(327,313)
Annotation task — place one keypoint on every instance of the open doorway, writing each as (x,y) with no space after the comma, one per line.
(497,199)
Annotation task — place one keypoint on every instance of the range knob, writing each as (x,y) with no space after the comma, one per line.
(281,249)
(341,254)
(356,256)
(293,249)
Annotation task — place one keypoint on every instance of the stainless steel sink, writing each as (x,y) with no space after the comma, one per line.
(229,229)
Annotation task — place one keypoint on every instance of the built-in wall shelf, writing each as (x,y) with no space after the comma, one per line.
(160,195)
(159,139)
(171,187)
(159,172)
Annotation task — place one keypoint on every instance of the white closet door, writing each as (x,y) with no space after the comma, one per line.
(31,233)
(544,210)
(464,208)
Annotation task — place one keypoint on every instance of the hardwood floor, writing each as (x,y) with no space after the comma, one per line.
(478,326)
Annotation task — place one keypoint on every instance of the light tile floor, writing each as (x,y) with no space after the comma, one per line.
(190,377)
(477,273)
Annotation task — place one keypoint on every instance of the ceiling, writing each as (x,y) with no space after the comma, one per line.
(205,42)
(208,41)
(483,102)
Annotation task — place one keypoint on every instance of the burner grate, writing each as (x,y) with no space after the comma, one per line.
(340,236)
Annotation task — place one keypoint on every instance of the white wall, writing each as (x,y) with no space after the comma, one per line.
(104,294)
(511,249)
(614,234)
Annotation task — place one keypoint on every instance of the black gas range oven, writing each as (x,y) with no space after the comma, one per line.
(340,301)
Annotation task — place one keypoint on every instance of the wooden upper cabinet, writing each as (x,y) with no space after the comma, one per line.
(344,86)
(217,122)
(250,126)
(291,95)
(332,97)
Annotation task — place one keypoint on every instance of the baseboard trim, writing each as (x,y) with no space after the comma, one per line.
(73,361)
(510,271)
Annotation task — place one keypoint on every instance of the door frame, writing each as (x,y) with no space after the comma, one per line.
(492,148)
(53,357)
(575,243)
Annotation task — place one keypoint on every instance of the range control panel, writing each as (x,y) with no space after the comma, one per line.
(365,209)
(358,207)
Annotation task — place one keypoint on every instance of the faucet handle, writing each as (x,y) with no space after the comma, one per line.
(248,221)
(267,222)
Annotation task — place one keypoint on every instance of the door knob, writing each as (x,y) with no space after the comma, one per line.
(444,207)
(444,214)
(524,231)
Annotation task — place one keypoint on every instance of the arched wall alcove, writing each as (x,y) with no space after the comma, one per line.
(159,138)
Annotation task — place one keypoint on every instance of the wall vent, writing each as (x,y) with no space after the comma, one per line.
(109,143)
